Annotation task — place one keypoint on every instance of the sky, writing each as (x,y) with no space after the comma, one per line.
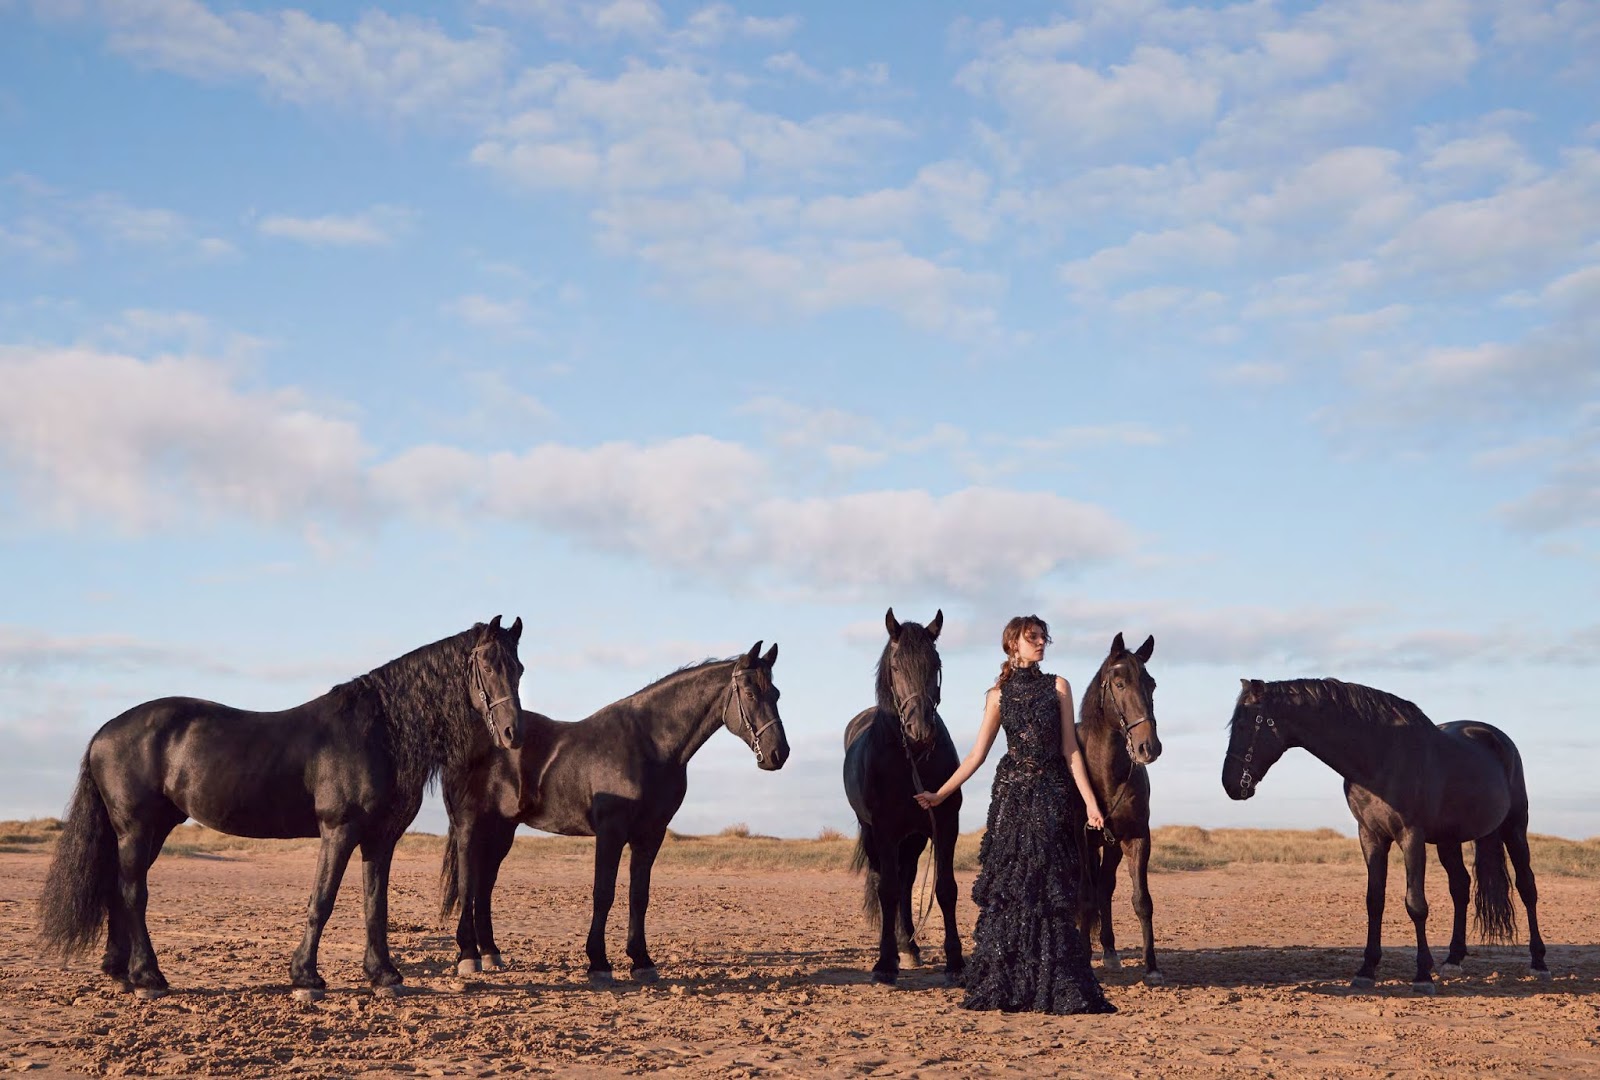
(1271,330)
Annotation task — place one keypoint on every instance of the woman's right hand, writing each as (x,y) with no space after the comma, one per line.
(929,799)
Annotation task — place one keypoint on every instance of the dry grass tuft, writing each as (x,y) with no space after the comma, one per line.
(1173,848)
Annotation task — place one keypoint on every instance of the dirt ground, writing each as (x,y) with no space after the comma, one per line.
(765,973)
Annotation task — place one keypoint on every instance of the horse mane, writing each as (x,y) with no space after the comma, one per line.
(410,699)
(1370,706)
(1091,711)
(920,662)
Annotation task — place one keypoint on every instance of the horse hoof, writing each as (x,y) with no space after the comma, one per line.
(1424,987)
(1363,982)
(150,993)
(884,978)
(1540,973)
(387,992)
(492,961)
(910,960)
(646,975)
(955,978)
(308,994)
(1154,978)
(601,980)
(468,967)
(1450,971)
(1111,961)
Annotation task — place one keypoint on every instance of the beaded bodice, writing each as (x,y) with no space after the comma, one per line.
(1030,713)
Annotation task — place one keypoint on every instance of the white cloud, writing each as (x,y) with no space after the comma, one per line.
(99,434)
(972,542)
(488,313)
(397,66)
(379,226)
(1202,245)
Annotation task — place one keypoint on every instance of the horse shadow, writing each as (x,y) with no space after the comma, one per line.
(1489,971)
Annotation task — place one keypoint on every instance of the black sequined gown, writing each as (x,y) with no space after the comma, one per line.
(1028,954)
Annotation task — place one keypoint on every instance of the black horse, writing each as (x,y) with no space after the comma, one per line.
(349,766)
(893,750)
(1117,731)
(618,776)
(1411,782)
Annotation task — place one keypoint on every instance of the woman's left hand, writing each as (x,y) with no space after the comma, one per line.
(1096,819)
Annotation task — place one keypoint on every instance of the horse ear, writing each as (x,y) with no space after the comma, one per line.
(516,630)
(936,625)
(1147,649)
(772,655)
(494,624)
(1117,647)
(892,623)
(749,658)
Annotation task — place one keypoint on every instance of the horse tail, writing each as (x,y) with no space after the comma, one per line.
(1491,900)
(449,884)
(861,859)
(81,881)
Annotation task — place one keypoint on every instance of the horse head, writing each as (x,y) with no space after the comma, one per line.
(1126,697)
(1256,739)
(909,677)
(493,675)
(752,709)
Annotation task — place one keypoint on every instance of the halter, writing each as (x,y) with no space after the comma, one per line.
(474,660)
(744,718)
(1246,781)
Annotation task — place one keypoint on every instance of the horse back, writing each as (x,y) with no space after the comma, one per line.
(574,773)
(258,774)
(1498,745)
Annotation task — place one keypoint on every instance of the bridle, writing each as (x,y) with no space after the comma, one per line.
(1246,781)
(480,687)
(902,706)
(755,733)
(1127,735)
(1122,717)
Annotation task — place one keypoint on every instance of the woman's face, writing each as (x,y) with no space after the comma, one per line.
(1030,646)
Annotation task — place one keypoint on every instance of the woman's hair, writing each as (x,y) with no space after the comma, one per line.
(1012,634)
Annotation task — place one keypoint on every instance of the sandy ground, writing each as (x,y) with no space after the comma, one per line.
(765,973)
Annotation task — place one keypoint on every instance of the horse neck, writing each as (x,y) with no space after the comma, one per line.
(1105,749)
(426,714)
(1353,748)
(685,709)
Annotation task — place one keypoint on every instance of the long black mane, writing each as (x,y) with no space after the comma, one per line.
(1362,703)
(918,659)
(426,723)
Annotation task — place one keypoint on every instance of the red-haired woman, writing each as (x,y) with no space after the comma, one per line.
(1028,954)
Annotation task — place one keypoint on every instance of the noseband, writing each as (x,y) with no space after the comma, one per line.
(1246,781)
(481,688)
(744,719)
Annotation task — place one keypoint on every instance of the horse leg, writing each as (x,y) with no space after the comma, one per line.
(910,953)
(1138,850)
(495,836)
(1455,868)
(607,856)
(1515,835)
(136,851)
(376,857)
(332,858)
(944,888)
(1104,883)
(114,961)
(887,969)
(468,863)
(1375,849)
(1415,851)
(641,859)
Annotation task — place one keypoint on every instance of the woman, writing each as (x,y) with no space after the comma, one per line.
(1028,954)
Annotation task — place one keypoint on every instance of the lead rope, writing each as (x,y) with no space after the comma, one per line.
(925,894)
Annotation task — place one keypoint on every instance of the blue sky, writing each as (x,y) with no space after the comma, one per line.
(1268,329)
